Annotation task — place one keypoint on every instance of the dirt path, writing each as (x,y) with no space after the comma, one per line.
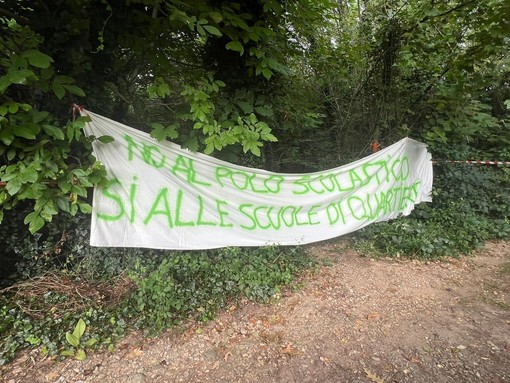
(354,320)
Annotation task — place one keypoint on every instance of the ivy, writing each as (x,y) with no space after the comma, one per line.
(99,294)
(468,209)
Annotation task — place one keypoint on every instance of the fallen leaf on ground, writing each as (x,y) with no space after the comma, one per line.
(373,377)
(52,376)
(289,350)
(135,353)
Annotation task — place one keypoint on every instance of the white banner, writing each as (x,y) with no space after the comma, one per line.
(164,197)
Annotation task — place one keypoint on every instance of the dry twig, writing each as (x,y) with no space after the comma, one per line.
(74,295)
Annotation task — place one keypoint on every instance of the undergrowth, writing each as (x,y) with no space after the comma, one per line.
(470,205)
(115,290)
(198,284)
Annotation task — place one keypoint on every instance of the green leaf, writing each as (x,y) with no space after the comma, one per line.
(191,144)
(33,340)
(50,208)
(212,30)
(235,46)
(27,193)
(54,131)
(45,215)
(79,330)
(157,125)
(85,207)
(75,90)
(268,137)
(63,80)
(245,106)
(90,342)
(37,117)
(13,108)
(255,150)
(63,204)
(171,131)
(13,186)
(19,77)
(11,154)
(67,353)
(267,73)
(158,131)
(209,148)
(35,225)
(25,107)
(80,355)
(64,185)
(58,90)
(264,111)
(28,132)
(37,58)
(216,17)
(105,139)
(12,171)
(70,132)
(5,82)
(72,339)
(29,175)
(6,135)
(81,191)
(30,217)
(161,133)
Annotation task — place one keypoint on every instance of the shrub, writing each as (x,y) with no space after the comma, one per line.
(64,245)
(471,205)
(199,283)
(65,278)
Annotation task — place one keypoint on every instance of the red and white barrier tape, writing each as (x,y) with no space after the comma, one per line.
(474,162)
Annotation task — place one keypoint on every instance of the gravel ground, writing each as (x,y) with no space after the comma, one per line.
(355,319)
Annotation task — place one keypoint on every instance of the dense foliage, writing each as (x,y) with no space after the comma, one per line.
(289,85)
(326,78)
(117,290)
(470,206)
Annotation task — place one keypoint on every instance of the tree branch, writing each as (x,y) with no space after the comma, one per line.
(451,10)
